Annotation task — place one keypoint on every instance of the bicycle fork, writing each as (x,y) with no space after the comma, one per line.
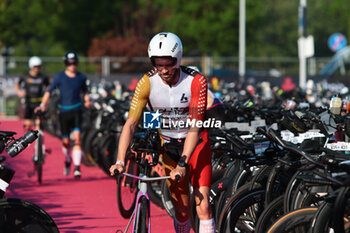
(135,215)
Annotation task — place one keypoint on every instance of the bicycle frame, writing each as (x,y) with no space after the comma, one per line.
(142,184)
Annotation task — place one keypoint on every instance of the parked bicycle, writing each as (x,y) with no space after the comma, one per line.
(17,215)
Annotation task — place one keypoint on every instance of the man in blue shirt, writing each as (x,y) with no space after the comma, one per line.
(71,84)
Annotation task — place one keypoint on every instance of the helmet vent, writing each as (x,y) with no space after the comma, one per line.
(175,46)
(160,45)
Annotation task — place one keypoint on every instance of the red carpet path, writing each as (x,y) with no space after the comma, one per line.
(87,205)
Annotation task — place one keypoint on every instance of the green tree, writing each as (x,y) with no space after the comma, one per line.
(28,24)
(205,26)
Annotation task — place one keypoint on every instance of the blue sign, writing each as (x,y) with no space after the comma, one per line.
(151,120)
(336,42)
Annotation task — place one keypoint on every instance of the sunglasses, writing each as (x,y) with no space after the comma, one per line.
(72,63)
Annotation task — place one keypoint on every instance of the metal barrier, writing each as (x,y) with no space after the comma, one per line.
(210,66)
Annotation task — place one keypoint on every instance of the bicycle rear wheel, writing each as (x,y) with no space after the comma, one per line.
(18,215)
(271,213)
(127,187)
(242,211)
(142,216)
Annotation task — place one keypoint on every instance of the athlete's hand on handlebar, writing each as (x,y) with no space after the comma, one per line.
(178,173)
(119,167)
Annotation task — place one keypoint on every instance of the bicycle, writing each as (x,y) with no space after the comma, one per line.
(17,215)
(39,154)
(141,213)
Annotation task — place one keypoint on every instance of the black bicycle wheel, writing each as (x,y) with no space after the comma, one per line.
(85,159)
(166,199)
(225,189)
(127,187)
(306,196)
(296,221)
(40,172)
(142,216)
(290,191)
(39,163)
(155,190)
(322,218)
(271,213)
(107,152)
(92,135)
(341,212)
(93,148)
(242,212)
(20,216)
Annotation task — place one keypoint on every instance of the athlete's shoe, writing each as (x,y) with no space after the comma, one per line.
(67,168)
(77,173)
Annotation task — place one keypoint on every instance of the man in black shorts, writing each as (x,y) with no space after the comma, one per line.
(71,84)
(31,86)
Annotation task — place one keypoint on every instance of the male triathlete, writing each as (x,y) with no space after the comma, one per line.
(70,83)
(31,87)
(178,93)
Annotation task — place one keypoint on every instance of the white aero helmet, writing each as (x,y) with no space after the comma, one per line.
(34,61)
(165,44)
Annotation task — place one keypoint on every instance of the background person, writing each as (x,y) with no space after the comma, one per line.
(32,86)
(71,84)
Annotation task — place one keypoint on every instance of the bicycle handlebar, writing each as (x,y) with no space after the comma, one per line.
(15,146)
(146,179)
(271,134)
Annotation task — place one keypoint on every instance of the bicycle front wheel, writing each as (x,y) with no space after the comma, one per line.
(127,187)
(142,216)
(38,163)
(18,215)
(40,173)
